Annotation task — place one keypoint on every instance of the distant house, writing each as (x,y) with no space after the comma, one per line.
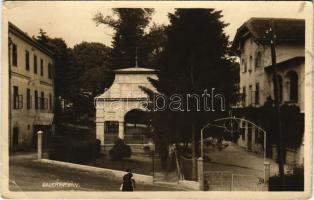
(31,89)
(256,84)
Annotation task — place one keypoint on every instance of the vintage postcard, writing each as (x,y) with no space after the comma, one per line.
(157,99)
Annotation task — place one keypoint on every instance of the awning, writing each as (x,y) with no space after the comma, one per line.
(291,61)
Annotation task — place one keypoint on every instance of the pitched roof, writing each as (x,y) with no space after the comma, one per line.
(135,70)
(18,32)
(287,30)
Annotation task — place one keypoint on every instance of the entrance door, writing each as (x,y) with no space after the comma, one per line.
(15,137)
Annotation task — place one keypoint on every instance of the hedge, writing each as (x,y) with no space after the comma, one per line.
(293,182)
(74,150)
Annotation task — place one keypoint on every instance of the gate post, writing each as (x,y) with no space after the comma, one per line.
(39,144)
(266,172)
(200,169)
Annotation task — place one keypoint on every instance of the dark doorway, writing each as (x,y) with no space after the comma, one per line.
(15,137)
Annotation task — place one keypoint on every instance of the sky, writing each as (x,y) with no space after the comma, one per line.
(73,22)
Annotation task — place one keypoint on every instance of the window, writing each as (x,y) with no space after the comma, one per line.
(17,99)
(250,94)
(36,99)
(41,67)
(250,64)
(14,55)
(50,101)
(257,94)
(292,83)
(28,99)
(280,88)
(35,64)
(244,65)
(49,71)
(258,60)
(27,60)
(42,101)
(244,95)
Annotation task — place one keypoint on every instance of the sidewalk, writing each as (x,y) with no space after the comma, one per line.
(236,158)
(27,175)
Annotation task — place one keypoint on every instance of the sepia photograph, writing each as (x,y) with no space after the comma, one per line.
(156,99)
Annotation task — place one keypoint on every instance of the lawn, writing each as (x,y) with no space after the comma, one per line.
(138,163)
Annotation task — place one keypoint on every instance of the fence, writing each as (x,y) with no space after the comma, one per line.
(229,181)
(186,166)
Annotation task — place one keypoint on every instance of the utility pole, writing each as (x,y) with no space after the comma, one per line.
(193,129)
(272,36)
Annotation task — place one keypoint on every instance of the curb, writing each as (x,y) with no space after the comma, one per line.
(109,173)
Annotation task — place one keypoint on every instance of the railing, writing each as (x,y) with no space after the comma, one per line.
(129,139)
(229,181)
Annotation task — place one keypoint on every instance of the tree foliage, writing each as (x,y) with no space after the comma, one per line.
(193,59)
(81,72)
(292,121)
(129,25)
(91,59)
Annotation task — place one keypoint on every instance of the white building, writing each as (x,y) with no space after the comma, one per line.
(123,97)
(31,89)
(256,83)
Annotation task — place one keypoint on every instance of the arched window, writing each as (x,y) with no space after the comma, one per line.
(280,88)
(293,81)
(258,60)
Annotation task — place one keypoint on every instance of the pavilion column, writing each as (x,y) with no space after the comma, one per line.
(100,132)
(121,129)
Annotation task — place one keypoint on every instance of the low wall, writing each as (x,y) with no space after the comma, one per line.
(112,174)
(189,185)
(136,148)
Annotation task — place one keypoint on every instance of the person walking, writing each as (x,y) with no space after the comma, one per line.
(128,182)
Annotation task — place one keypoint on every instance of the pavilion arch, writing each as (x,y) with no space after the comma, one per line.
(136,125)
(292,86)
(120,100)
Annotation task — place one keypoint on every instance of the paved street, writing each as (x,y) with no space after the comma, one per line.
(237,159)
(29,175)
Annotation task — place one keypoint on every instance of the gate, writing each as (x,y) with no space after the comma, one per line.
(164,170)
(228,181)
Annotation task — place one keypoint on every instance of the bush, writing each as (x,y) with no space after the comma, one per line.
(120,150)
(293,182)
(73,150)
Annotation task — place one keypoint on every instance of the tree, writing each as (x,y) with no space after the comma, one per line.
(65,67)
(194,59)
(80,73)
(92,59)
(152,45)
(129,31)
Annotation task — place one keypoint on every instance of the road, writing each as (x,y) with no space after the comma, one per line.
(28,175)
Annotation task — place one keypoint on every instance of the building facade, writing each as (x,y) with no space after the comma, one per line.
(31,92)
(256,74)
